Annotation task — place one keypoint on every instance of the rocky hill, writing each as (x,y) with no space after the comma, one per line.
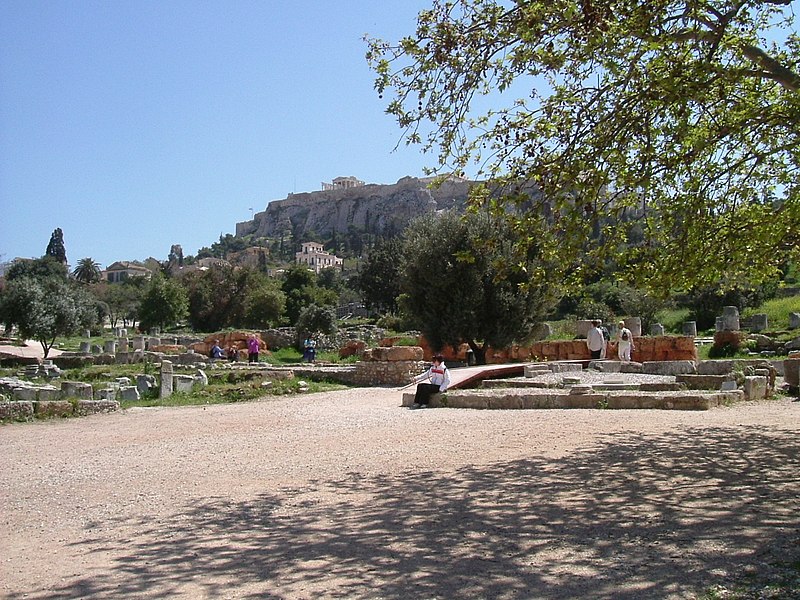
(371,208)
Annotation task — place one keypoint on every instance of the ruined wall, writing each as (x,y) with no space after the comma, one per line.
(389,366)
(651,348)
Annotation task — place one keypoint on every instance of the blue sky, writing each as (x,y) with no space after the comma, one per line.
(136,125)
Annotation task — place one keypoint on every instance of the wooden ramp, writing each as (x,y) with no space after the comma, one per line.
(464,377)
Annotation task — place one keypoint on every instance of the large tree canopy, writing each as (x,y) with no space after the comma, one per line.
(677,118)
(461,285)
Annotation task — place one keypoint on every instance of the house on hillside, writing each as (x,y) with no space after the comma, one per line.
(122,269)
(316,258)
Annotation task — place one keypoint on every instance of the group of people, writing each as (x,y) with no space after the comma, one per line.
(232,354)
(253,348)
(598,337)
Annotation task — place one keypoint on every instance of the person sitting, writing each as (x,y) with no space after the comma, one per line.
(216,351)
(439,378)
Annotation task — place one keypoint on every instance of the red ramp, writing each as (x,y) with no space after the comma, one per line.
(464,377)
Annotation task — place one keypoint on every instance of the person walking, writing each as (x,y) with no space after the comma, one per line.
(439,381)
(606,338)
(252,349)
(624,342)
(595,340)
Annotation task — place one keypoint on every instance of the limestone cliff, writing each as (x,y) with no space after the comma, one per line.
(372,208)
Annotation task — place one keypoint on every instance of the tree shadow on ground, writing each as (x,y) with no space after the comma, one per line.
(637,517)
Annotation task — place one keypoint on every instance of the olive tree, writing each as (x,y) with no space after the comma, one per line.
(462,282)
(662,134)
(43,309)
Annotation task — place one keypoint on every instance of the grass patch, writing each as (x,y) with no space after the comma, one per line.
(230,393)
(673,319)
(563,330)
(777,311)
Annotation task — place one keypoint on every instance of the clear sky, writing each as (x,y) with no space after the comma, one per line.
(136,125)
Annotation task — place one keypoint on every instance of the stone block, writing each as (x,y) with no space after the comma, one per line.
(794,320)
(182,383)
(24,394)
(582,328)
(730,318)
(380,354)
(755,387)
(352,348)
(73,360)
(108,393)
(670,367)
(105,358)
(165,391)
(791,373)
(49,393)
(145,383)
(758,322)
(583,400)
(76,389)
(701,382)
(129,393)
(398,353)
(16,411)
(534,369)
(91,407)
(511,401)
(54,408)
(688,402)
(477,402)
(607,366)
(625,401)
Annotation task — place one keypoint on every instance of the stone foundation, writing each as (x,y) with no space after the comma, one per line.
(526,399)
(395,365)
(648,349)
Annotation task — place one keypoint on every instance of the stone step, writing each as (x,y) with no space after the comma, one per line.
(515,398)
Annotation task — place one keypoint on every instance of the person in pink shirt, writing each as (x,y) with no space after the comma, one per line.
(252,349)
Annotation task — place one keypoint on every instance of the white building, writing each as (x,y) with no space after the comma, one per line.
(316,258)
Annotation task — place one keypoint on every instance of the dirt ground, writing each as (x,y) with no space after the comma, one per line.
(347,495)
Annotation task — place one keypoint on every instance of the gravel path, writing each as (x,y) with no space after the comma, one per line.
(346,495)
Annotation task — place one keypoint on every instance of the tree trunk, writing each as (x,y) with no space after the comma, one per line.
(479,352)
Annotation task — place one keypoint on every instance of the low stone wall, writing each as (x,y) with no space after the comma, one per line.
(23,400)
(26,410)
(543,399)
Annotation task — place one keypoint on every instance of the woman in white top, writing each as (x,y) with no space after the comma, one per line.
(439,378)
(624,342)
